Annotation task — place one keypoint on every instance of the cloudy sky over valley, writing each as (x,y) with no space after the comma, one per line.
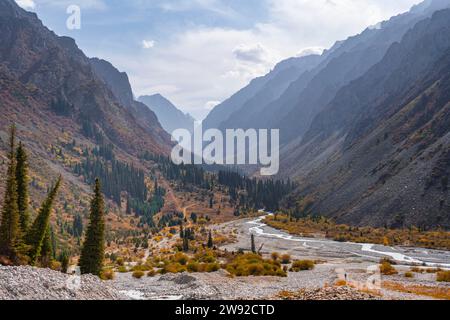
(199,52)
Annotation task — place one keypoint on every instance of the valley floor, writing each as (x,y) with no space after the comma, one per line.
(354,264)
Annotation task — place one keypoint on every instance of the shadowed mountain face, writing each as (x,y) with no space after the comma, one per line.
(58,78)
(170,117)
(290,96)
(379,152)
(365,128)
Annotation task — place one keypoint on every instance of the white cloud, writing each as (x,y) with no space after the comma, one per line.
(148,44)
(202,64)
(98,5)
(309,51)
(252,53)
(26,4)
(211,104)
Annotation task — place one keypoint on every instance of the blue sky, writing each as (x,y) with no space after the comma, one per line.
(199,52)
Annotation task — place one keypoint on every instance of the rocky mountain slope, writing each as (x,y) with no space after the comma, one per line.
(169,115)
(289,100)
(379,152)
(63,108)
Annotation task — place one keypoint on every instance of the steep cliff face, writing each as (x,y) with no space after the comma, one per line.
(120,86)
(378,153)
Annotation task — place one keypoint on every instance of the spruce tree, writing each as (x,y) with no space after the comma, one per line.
(93,251)
(253,246)
(47,249)
(210,241)
(38,230)
(9,227)
(22,187)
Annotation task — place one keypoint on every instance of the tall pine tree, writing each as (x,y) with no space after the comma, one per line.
(40,227)
(210,240)
(22,187)
(93,251)
(9,227)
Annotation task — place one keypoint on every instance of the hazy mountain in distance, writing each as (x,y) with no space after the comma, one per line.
(249,114)
(120,86)
(379,152)
(305,96)
(259,92)
(170,117)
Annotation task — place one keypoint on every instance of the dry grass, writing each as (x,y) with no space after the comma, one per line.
(309,227)
(387,269)
(420,290)
(340,283)
(443,276)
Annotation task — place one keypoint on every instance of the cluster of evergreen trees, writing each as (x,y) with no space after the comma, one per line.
(185,174)
(257,193)
(61,107)
(21,242)
(186,235)
(117,177)
(34,244)
(146,210)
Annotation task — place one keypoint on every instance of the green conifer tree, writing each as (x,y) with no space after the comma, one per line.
(93,251)
(9,228)
(253,246)
(38,230)
(22,187)
(47,249)
(210,241)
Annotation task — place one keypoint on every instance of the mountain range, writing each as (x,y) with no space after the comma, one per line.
(364,127)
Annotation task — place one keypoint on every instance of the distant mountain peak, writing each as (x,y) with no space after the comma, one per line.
(169,115)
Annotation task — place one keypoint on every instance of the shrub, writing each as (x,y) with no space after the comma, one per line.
(302,265)
(120,261)
(122,269)
(443,276)
(141,267)
(285,259)
(193,266)
(341,283)
(387,269)
(409,275)
(417,270)
(107,274)
(181,258)
(212,267)
(173,268)
(138,274)
(151,273)
(275,256)
(254,265)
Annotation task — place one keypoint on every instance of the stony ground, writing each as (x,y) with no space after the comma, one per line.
(27,283)
(219,285)
(334,264)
